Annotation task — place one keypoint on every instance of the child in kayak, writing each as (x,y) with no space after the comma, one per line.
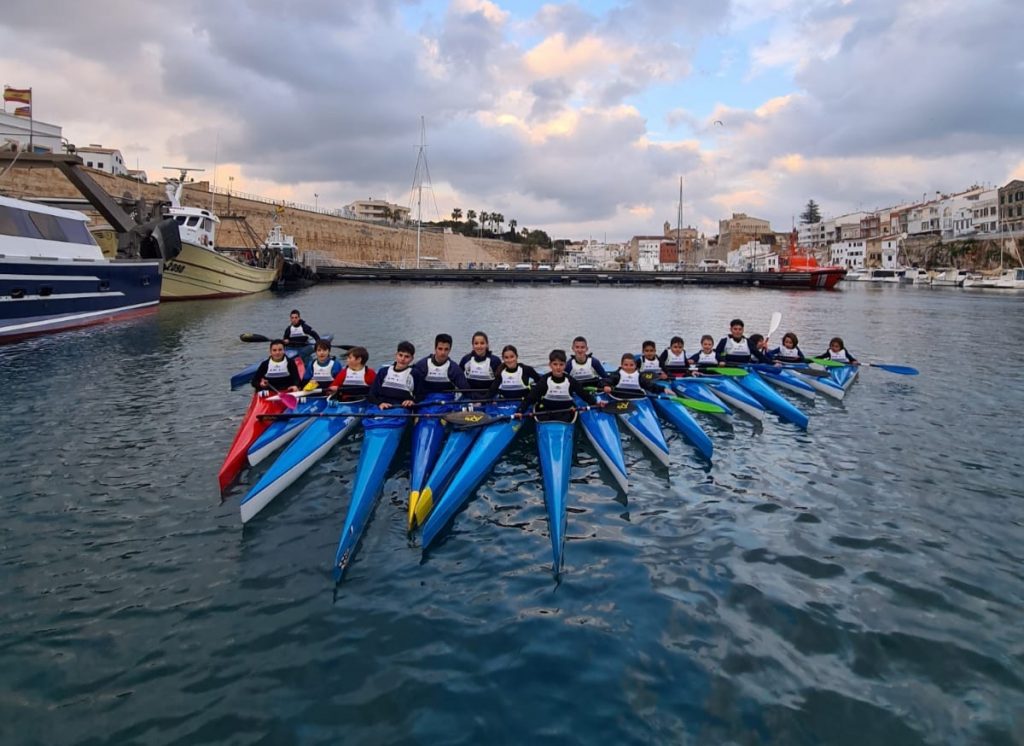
(758,348)
(706,358)
(298,332)
(514,379)
(438,371)
(355,379)
(789,352)
(553,394)
(584,368)
(837,351)
(276,373)
(735,348)
(480,366)
(647,361)
(399,384)
(322,368)
(673,358)
(628,381)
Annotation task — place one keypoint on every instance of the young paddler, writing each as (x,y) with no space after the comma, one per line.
(277,372)
(298,332)
(789,352)
(758,348)
(628,382)
(514,379)
(399,384)
(647,361)
(735,348)
(322,368)
(584,368)
(355,379)
(707,357)
(438,371)
(480,366)
(837,351)
(553,394)
(673,358)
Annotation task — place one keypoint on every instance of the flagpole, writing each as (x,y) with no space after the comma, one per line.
(31,122)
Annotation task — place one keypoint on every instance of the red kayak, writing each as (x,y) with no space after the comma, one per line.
(250,429)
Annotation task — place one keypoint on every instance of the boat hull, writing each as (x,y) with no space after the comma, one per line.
(677,416)
(199,272)
(643,423)
(380,443)
(301,454)
(456,447)
(427,439)
(47,296)
(250,429)
(783,379)
(554,447)
(281,432)
(732,394)
(772,400)
(603,433)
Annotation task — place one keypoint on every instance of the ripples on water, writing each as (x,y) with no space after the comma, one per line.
(858,583)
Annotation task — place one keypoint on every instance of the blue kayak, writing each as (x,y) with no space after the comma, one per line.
(490,445)
(731,393)
(456,446)
(771,399)
(380,442)
(784,379)
(322,434)
(281,432)
(555,445)
(603,433)
(688,388)
(823,384)
(678,416)
(643,423)
(844,376)
(242,377)
(427,439)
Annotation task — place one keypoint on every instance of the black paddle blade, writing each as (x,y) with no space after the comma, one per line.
(251,337)
(343,347)
(468,418)
(619,406)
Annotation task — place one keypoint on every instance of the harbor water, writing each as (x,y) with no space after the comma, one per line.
(858,583)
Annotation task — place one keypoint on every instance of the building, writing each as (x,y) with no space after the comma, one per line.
(668,255)
(1011,207)
(849,253)
(45,137)
(735,231)
(108,160)
(753,257)
(378,209)
(645,252)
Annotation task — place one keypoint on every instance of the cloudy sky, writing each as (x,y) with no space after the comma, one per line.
(578,118)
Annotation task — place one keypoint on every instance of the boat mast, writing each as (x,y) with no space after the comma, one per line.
(679,225)
(421,157)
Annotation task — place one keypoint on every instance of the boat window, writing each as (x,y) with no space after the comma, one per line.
(76,231)
(48,226)
(207,224)
(193,221)
(180,219)
(11,222)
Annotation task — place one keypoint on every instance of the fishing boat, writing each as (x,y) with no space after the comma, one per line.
(643,423)
(427,439)
(311,445)
(200,270)
(54,276)
(299,268)
(797,260)
(380,443)
(250,429)
(554,447)
(492,442)
(603,433)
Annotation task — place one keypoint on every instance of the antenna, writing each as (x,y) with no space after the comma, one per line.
(183,169)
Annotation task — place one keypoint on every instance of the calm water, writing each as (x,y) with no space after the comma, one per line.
(858,583)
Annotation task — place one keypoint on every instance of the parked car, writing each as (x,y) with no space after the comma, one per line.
(501,266)
(586,268)
(544,267)
(559,268)
(524,266)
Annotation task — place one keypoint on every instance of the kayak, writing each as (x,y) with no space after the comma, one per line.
(380,443)
(782,378)
(281,432)
(771,399)
(554,446)
(320,436)
(687,387)
(248,431)
(826,385)
(732,394)
(242,377)
(678,416)
(603,433)
(456,446)
(643,423)
(844,376)
(427,439)
(490,445)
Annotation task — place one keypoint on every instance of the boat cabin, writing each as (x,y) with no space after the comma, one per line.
(196,226)
(30,230)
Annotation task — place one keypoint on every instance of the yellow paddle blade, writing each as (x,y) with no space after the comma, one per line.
(414,498)
(424,505)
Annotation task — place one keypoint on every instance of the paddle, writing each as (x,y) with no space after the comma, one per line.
(296,415)
(695,404)
(290,400)
(728,371)
(467,419)
(252,337)
(901,370)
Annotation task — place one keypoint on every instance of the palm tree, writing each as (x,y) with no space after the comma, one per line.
(457,214)
(498,219)
(471,216)
(484,218)
(512,228)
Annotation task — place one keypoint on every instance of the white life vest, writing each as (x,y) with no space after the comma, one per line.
(401,380)
(707,358)
(737,349)
(354,378)
(478,370)
(437,373)
(673,360)
(323,373)
(558,391)
(277,370)
(583,371)
(512,380)
(629,381)
(646,364)
(296,332)
(841,356)
(787,354)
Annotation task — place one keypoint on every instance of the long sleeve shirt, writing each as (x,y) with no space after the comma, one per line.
(278,375)
(447,376)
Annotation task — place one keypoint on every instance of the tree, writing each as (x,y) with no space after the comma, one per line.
(512,228)
(497,218)
(811,214)
(387,214)
(484,219)
(457,214)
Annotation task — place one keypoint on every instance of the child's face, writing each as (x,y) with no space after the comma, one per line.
(836,346)
(441,352)
(355,363)
(628,365)
(736,330)
(707,345)
(510,358)
(479,346)
(677,348)
(277,353)
(295,319)
(402,360)
(787,342)
(557,367)
(650,353)
(579,349)
(322,355)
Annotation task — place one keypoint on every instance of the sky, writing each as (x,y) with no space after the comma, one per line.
(575,118)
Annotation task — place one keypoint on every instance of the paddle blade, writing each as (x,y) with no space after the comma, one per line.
(468,418)
(251,337)
(697,405)
(290,401)
(902,370)
(827,363)
(774,325)
(344,347)
(729,371)
(618,406)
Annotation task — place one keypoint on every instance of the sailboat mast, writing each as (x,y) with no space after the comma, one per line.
(679,224)
(419,189)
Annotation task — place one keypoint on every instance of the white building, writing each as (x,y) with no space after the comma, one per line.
(104,159)
(648,253)
(890,253)
(848,253)
(377,209)
(45,137)
(753,257)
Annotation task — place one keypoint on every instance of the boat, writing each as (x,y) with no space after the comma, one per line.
(427,440)
(686,387)
(643,423)
(319,437)
(299,268)
(950,277)
(380,442)
(784,379)
(678,416)
(490,444)
(916,276)
(200,270)
(244,376)
(554,447)
(250,429)
(281,432)
(895,275)
(772,400)
(1011,279)
(844,375)
(823,384)
(603,433)
(456,446)
(797,260)
(54,276)
(729,392)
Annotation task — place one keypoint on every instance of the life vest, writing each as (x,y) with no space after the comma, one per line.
(582,371)
(734,348)
(558,392)
(354,378)
(277,370)
(398,380)
(512,381)
(323,373)
(629,381)
(789,354)
(674,361)
(842,356)
(437,373)
(646,364)
(478,370)
(296,334)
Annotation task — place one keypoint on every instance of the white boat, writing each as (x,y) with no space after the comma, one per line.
(896,275)
(856,275)
(201,270)
(915,276)
(1011,279)
(53,275)
(950,277)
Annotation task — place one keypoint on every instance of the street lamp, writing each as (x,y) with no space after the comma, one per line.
(231,183)
(316,202)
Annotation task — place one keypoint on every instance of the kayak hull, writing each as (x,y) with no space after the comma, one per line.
(772,400)
(427,439)
(250,429)
(677,416)
(555,446)
(603,433)
(783,379)
(281,432)
(688,388)
(826,386)
(456,446)
(380,443)
(844,376)
(733,395)
(643,423)
(322,434)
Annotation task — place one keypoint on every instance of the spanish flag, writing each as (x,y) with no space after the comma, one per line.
(23,111)
(18,95)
